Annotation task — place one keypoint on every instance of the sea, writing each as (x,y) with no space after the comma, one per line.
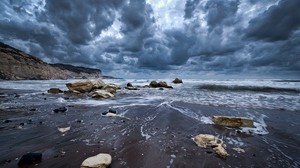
(256,94)
(272,104)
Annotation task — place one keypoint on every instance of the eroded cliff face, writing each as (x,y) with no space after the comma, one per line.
(17,65)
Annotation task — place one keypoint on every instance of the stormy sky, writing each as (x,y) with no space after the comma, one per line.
(160,38)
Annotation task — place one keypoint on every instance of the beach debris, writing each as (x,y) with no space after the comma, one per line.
(177,81)
(30,158)
(54,90)
(60,110)
(207,140)
(102,94)
(233,121)
(64,129)
(102,160)
(239,150)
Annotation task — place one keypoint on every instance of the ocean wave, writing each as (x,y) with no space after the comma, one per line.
(215,87)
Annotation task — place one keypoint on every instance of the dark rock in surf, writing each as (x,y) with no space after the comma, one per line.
(7,121)
(177,81)
(112,111)
(55,90)
(30,158)
(129,85)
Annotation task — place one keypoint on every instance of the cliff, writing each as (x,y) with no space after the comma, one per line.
(17,65)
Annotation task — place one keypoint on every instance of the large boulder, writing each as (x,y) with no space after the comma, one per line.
(160,84)
(102,94)
(233,121)
(111,88)
(207,140)
(101,160)
(55,90)
(153,84)
(85,86)
(177,81)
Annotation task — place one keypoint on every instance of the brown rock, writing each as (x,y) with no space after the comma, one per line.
(233,121)
(207,140)
(80,86)
(102,94)
(55,90)
(85,85)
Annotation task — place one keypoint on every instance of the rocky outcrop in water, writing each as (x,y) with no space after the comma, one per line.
(17,65)
(233,121)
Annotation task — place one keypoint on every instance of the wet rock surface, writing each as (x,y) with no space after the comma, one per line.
(232,121)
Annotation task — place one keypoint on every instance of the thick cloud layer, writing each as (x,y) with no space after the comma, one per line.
(131,38)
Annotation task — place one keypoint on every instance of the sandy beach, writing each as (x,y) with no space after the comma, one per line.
(144,135)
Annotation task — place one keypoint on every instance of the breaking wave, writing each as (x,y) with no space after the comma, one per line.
(214,87)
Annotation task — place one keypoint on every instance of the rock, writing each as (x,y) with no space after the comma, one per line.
(112,111)
(129,85)
(169,87)
(60,110)
(63,130)
(30,158)
(131,88)
(177,81)
(111,88)
(239,150)
(161,84)
(219,149)
(80,86)
(153,84)
(102,94)
(207,140)
(233,121)
(55,90)
(97,84)
(71,92)
(85,86)
(7,121)
(108,114)
(101,160)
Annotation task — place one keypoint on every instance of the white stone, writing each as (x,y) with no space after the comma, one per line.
(101,160)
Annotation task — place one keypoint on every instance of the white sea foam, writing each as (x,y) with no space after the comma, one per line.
(145,135)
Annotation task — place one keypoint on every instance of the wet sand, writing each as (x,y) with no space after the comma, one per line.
(149,136)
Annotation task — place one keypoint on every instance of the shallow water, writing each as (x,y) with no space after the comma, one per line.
(266,94)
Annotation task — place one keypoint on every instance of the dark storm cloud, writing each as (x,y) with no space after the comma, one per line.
(190,7)
(81,20)
(127,36)
(277,23)
(221,12)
